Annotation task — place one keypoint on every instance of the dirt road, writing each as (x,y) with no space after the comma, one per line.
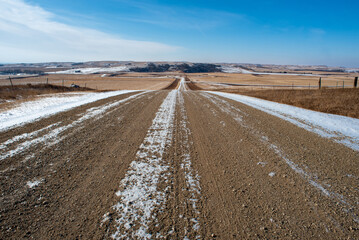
(174,164)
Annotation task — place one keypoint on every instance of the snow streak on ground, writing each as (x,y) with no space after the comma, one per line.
(182,86)
(228,69)
(139,194)
(191,176)
(32,184)
(92,70)
(310,177)
(46,106)
(53,135)
(344,130)
(312,180)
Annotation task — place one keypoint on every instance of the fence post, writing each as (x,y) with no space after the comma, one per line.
(343,83)
(47,81)
(12,86)
(320,83)
(355,82)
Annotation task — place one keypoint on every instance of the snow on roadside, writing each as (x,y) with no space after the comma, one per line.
(344,130)
(139,194)
(52,137)
(43,107)
(92,70)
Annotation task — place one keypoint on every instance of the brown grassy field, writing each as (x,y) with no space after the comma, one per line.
(25,91)
(123,81)
(270,81)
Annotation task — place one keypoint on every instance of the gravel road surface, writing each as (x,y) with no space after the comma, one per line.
(175,164)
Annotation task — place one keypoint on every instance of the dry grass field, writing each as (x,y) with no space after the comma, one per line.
(123,81)
(211,80)
(25,91)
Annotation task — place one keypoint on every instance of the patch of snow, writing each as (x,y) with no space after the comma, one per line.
(228,69)
(352,70)
(271,174)
(44,107)
(92,70)
(32,184)
(105,218)
(182,86)
(25,136)
(344,130)
(139,194)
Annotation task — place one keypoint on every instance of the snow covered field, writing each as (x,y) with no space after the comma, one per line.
(341,129)
(241,70)
(46,106)
(92,70)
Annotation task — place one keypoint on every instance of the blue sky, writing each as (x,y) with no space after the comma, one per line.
(279,32)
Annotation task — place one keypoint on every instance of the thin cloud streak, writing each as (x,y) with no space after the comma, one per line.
(28,32)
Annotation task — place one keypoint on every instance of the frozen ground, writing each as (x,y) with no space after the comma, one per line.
(45,106)
(342,129)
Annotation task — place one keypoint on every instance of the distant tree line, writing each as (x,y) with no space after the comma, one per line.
(19,71)
(194,68)
(76,64)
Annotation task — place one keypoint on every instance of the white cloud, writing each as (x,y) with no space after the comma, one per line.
(28,34)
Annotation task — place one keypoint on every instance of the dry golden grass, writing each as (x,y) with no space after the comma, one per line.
(123,81)
(273,80)
(25,91)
